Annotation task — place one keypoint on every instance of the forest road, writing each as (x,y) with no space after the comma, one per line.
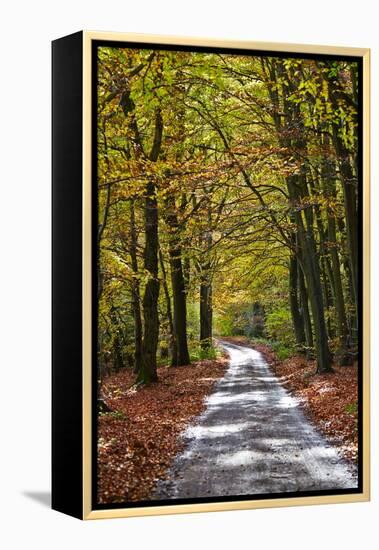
(253,438)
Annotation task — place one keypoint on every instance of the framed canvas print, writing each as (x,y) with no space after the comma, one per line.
(210,275)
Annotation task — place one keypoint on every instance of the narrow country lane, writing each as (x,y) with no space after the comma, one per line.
(253,438)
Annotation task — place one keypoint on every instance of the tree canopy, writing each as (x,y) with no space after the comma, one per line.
(227,204)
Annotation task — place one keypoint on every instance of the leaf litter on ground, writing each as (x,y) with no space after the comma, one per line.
(138,440)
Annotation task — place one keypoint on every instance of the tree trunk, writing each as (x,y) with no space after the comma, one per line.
(205,313)
(328,296)
(349,186)
(206,309)
(136,297)
(291,133)
(173,344)
(308,257)
(342,326)
(305,312)
(180,306)
(177,283)
(329,177)
(117,360)
(297,317)
(350,200)
(148,371)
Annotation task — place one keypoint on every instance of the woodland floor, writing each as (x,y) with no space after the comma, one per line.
(252,439)
(329,400)
(160,438)
(138,441)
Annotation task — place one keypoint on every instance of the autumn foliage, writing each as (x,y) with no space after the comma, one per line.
(228,189)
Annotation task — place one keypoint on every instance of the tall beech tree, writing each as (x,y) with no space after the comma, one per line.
(205,268)
(148,371)
(291,136)
(181,355)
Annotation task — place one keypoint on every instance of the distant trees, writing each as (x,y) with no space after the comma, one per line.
(225,180)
